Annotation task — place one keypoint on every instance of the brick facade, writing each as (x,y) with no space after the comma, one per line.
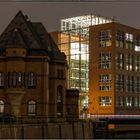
(32,71)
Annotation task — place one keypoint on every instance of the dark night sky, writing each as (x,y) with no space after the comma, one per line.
(50,13)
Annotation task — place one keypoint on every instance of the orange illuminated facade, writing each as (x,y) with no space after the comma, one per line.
(114,69)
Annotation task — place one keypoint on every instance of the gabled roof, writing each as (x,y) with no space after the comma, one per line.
(30,35)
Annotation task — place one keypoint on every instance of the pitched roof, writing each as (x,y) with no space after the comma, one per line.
(15,38)
(30,35)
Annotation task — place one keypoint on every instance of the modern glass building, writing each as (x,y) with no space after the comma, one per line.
(73,40)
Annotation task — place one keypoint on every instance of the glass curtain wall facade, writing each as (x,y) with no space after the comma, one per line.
(74,42)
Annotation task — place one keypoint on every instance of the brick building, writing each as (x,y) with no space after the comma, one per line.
(32,72)
(114,69)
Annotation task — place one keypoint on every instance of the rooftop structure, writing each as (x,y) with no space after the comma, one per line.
(82,23)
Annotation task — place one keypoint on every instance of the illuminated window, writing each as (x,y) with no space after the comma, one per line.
(31,79)
(105,82)
(105,60)
(2,79)
(129,62)
(136,102)
(129,84)
(105,101)
(129,41)
(120,61)
(121,101)
(75,83)
(119,44)
(31,107)
(137,43)
(105,38)
(129,45)
(120,39)
(20,79)
(119,83)
(137,63)
(1,106)
(137,84)
(59,93)
(129,101)
(105,34)
(129,37)
(59,101)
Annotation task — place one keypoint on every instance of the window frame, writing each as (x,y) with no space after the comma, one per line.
(2,106)
(2,79)
(32,80)
(31,107)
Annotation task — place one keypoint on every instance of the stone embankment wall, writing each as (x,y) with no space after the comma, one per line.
(76,130)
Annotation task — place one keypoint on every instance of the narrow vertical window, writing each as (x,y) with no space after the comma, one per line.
(31,107)
(2,78)
(120,61)
(129,101)
(59,101)
(31,79)
(9,79)
(136,102)
(137,43)
(24,79)
(137,84)
(14,79)
(121,101)
(120,37)
(119,83)
(1,106)
(20,79)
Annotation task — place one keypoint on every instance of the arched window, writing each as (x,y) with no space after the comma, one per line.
(14,79)
(59,101)
(31,79)
(1,106)
(31,107)
(2,79)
